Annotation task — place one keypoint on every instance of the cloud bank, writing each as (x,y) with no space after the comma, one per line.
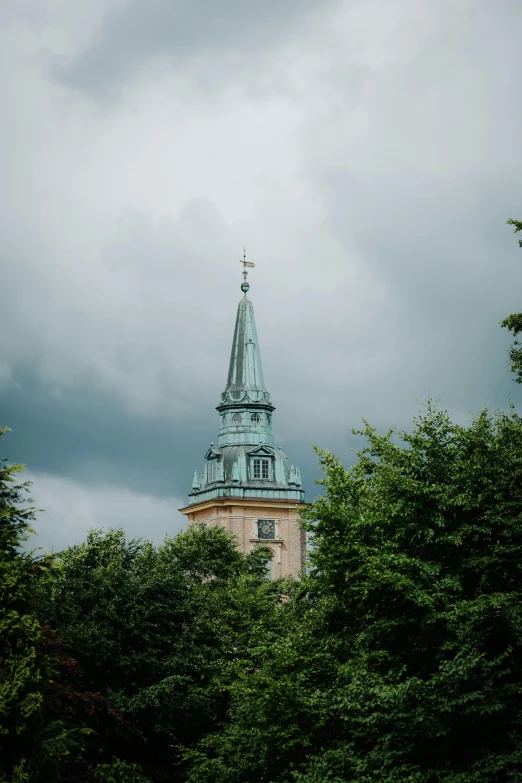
(366,153)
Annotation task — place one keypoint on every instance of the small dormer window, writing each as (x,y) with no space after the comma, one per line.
(211,471)
(236,419)
(261,468)
(255,418)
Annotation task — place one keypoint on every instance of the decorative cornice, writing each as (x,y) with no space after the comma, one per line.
(217,490)
(224,502)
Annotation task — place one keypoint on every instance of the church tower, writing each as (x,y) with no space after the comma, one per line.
(247,485)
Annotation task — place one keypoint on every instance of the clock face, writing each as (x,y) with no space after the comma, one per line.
(266,528)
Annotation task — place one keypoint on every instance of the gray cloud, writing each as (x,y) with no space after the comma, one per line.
(369,165)
(72,507)
(87,438)
(227,35)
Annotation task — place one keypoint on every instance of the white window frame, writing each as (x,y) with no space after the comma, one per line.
(212,471)
(261,466)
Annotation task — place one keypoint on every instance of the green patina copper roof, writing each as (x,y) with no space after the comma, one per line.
(245,438)
(245,382)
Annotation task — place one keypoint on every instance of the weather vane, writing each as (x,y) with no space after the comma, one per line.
(246,264)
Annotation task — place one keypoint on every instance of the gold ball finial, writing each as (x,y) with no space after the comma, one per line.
(245,286)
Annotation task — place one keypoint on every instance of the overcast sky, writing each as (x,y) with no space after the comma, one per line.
(366,152)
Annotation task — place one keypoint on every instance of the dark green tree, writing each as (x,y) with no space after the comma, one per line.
(24,667)
(402,656)
(36,732)
(158,634)
(514,324)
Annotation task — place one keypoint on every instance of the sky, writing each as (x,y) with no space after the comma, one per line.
(366,153)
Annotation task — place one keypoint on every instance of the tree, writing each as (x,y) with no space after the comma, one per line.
(514,324)
(36,732)
(401,660)
(24,667)
(157,632)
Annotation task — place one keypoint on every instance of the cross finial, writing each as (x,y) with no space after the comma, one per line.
(246,264)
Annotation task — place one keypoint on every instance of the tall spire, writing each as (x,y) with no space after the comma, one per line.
(245,382)
(245,463)
(245,372)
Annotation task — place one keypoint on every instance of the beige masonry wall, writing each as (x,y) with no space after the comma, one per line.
(240,517)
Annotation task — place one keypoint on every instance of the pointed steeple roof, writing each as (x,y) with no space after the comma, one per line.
(245,382)
(245,463)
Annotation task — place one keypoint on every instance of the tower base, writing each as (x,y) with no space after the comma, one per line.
(245,519)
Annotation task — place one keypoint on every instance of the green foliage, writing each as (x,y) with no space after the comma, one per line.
(518,227)
(157,633)
(401,660)
(23,666)
(513,323)
(119,771)
(397,658)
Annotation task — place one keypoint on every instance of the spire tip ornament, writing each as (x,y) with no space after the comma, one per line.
(245,285)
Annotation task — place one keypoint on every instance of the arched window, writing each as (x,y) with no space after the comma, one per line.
(255,418)
(268,564)
(237,419)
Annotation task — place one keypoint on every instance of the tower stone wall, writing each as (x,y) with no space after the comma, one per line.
(242,519)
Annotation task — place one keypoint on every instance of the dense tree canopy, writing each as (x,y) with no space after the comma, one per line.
(396,658)
(22,661)
(157,633)
(402,660)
